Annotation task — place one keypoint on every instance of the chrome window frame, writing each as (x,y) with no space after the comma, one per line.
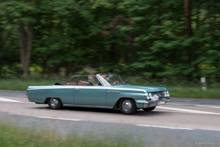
(103,81)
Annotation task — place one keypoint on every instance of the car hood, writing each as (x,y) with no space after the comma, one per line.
(147,88)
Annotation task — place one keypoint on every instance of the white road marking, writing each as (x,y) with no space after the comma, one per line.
(168,127)
(8,100)
(208,106)
(58,118)
(188,110)
(179,104)
(13,101)
(165,127)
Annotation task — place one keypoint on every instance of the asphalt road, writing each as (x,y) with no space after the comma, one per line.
(182,122)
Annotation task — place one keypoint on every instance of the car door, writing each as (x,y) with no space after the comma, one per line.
(90,95)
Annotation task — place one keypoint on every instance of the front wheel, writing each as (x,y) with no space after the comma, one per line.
(127,106)
(55,103)
(149,109)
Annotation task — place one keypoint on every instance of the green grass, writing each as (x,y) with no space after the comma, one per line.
(176,89)
(22,84)
(22,137)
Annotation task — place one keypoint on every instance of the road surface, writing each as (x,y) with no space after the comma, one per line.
(182,122)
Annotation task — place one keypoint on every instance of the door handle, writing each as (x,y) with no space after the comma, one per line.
(76,89)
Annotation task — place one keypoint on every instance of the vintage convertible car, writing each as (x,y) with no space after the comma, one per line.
(109,91)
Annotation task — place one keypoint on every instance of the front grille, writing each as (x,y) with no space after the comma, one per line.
(159,94)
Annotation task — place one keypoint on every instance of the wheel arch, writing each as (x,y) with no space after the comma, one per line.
(47,98)
(117,103)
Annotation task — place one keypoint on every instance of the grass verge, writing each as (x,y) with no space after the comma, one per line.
(22,137)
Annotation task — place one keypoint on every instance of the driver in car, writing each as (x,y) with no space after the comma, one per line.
(104,76)
(90,81)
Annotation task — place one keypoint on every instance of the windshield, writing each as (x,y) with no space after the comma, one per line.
(113,79)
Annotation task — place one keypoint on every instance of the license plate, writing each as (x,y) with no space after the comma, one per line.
(161,102)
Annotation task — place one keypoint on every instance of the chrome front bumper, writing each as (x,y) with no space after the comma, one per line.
(163,101)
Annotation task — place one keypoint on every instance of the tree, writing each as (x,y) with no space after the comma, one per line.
(156,38)
(24,16)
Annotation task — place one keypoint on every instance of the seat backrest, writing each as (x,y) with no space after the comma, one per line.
(82,84)
(79,83)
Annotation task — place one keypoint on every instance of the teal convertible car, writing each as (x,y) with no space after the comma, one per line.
(108,91)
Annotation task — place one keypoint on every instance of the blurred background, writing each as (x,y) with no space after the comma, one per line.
(148,42)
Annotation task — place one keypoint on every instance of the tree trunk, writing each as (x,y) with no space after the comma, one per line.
(188,28)
(187,18)
(130,50)
(25,40)
(197,15)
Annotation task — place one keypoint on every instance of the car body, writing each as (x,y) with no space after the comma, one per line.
(110,91)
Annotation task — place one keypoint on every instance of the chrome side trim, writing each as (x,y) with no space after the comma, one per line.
(113,92)
(67,87)
(83,87)
(127,89)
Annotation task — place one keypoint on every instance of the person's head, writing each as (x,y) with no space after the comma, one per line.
(104,76)
(90,79)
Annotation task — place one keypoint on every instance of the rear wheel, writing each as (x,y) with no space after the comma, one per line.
(127,106)
(149,109)
(54,103)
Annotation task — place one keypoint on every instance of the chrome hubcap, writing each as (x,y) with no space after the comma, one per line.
(53,102)
(127,105)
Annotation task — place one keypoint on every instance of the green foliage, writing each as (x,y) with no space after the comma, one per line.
(141,37)
(85,72)
(167,52)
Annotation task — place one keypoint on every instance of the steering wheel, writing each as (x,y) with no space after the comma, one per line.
(116,82)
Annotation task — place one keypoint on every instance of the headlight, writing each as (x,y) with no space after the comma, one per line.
(166,94)
(147,96)
(152,97)
(156,96)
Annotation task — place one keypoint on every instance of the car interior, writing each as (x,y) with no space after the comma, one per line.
(78,81)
